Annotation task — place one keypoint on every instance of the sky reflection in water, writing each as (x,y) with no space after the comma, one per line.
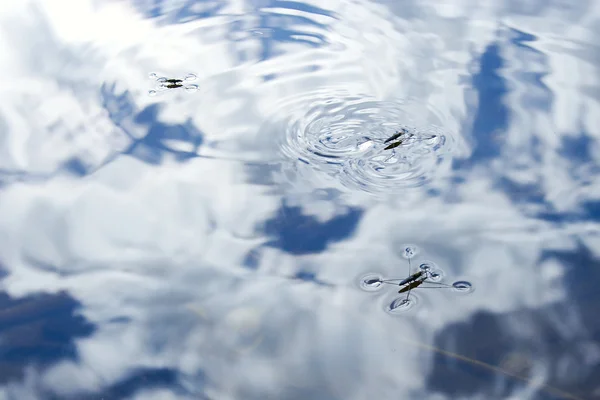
(210,244)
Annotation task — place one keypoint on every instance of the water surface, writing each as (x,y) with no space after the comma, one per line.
(213,243)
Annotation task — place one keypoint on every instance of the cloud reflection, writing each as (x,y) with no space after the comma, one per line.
(213,266)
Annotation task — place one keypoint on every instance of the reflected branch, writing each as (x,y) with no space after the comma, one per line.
(547,388)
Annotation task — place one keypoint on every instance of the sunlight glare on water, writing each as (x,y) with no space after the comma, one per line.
(220,199)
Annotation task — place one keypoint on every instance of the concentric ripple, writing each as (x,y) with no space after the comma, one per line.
(401,304)
(371,282)
(345,136)
(463,287)
(409,251)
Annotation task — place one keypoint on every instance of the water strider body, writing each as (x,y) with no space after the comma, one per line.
(414,277)
(402,136)
(415,280)
(396,136)
(173,83)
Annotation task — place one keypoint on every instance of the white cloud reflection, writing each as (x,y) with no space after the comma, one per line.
(155,252)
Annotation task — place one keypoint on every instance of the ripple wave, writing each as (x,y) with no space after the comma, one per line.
(345,135)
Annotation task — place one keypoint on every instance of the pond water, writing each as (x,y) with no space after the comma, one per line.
(223,199)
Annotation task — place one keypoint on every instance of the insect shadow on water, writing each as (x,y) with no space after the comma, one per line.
(165,83)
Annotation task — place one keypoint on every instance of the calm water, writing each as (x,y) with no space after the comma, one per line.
(228,239)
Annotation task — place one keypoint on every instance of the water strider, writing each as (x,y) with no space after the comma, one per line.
(401,137)
(397,135)
(165,83)
(172,83)
(417,279)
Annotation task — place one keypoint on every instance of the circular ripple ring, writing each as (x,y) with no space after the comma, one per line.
(345,135)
